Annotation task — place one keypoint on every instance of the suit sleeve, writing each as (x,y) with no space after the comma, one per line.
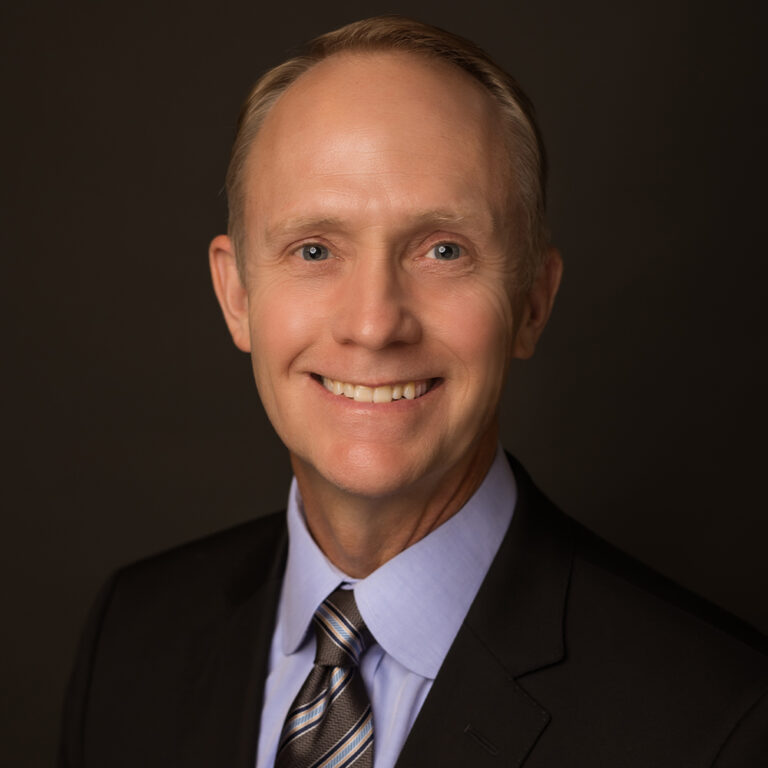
(747,744)
(71,744)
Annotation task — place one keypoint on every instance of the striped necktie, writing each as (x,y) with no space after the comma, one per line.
(330,724)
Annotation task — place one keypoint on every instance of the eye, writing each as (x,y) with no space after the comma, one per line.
(446,252)
(314,252)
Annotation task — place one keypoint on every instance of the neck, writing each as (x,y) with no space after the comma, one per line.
(358,534)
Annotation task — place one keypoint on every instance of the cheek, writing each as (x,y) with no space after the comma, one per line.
(281,326)
(479,328)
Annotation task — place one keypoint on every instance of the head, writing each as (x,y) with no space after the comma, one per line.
(381,266)
(526,157)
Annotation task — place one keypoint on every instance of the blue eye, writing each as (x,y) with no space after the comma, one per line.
(446,252)
(314,252)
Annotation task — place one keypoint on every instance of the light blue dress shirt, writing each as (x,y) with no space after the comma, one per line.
(413,605)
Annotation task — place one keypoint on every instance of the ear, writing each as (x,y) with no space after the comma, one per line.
(537,305)
(230,291)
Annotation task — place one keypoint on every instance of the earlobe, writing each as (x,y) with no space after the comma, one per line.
(538,305)
(230,291)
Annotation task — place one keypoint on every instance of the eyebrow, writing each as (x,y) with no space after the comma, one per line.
(414,221)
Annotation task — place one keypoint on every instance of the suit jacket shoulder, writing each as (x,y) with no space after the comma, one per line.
(172,661)
(575,654)
(665,671)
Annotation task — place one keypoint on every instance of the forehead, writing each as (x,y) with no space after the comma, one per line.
(379,131)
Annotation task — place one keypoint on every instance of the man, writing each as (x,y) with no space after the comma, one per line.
(386,259)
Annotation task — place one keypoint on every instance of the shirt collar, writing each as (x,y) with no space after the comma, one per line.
(309,577)
(415,603)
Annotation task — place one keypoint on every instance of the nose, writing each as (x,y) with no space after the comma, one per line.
(374,308)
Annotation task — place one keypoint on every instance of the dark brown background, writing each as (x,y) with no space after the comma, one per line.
(130,421)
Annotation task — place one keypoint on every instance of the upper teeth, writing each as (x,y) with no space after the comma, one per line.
(409,390)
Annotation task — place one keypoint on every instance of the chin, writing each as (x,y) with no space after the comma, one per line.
(373,471)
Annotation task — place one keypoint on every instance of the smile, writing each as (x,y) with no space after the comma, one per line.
(407,390)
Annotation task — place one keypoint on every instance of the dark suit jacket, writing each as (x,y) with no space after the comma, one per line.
(571,655)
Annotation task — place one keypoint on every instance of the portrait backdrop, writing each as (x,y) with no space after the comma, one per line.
(131,423)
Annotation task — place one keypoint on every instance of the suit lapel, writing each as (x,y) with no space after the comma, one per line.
(230,667)
(477,712)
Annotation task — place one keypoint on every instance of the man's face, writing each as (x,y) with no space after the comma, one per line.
(379,239)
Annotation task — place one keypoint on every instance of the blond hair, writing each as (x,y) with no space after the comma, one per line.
(400,34)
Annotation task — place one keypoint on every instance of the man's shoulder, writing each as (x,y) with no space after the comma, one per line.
(198,614)
(617,593)
(603,574)
(212,571)
(639,594)
(643,661)
(629,630)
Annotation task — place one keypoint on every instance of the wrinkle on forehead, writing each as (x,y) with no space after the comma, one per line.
(413,220)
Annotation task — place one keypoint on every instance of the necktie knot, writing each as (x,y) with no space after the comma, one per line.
(340,631)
